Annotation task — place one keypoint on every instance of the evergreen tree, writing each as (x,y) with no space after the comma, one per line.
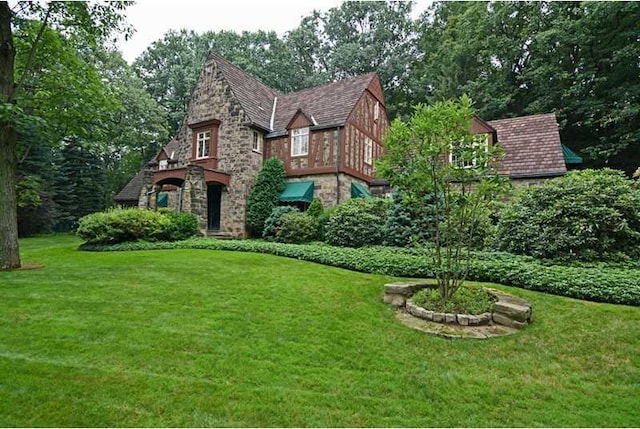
(264,195)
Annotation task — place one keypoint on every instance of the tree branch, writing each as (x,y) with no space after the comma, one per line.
(32,52)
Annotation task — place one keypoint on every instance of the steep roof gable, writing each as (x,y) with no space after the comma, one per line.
(328,104)
(255,97)
(531,145)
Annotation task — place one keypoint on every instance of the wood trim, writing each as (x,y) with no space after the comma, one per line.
(307,171)
(342,148)
(357,174)
(213,127)
(204,124)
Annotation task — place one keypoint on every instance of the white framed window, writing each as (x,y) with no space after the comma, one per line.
(257,141)
(203,141)
(455,157)
(299,141)
(163,164)
(368,150)
(376,111)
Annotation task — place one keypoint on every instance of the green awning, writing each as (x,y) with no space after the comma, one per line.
(297,191)
(570,157)
(359,191)
(163,200)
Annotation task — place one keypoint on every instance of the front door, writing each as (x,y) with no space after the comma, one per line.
(214,193)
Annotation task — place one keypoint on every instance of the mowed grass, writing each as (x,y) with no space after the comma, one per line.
(209,338)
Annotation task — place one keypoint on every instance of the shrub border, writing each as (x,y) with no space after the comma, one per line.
(599,283)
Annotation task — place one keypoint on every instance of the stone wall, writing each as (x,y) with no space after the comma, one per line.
(326,187)
(508,310)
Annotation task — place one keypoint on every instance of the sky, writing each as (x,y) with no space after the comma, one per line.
(153,18)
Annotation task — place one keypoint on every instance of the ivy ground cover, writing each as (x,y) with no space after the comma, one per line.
(213,338)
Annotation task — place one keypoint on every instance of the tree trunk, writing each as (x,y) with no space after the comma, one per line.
(9,251)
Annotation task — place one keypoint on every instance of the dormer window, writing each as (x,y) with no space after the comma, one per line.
(162,165)
(204,140)
(257,140)
(300,141)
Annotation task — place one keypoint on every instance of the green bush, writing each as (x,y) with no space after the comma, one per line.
(407,223)
(272,223)
(603,282)
(356,223)
(181,226)
(585,215)
(122,225)
(296,228)
(315,208)
(265,192)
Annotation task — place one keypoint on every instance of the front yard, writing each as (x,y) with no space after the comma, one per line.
(214,338)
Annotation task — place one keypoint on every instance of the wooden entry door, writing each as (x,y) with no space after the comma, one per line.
(214,195)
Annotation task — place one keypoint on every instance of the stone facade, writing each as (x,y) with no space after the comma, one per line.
(213,98)
(330,189)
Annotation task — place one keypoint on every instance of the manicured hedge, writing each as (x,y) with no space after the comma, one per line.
(615,284)
(132,224)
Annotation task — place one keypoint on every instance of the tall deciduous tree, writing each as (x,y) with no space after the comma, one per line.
(435,154)
(360,37)
(577,59)
(91,22)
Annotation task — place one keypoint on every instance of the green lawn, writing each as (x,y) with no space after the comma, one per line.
(211,338)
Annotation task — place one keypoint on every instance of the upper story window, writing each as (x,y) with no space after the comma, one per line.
(257,142)
(203,140)
(299,141)
(368,150)
(162,165)
(376,111)
(464,154)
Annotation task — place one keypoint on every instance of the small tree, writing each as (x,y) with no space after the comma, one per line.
(264,194)
(435,154)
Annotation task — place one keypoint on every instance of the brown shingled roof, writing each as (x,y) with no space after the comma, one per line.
(131,191)
(172,147)
(255,97)
(329,104)
(532,146)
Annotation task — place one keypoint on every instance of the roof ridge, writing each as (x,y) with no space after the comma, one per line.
(360,76)
(244,72)
(524,117)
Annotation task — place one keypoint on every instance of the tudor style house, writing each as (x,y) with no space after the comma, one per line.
(327,137)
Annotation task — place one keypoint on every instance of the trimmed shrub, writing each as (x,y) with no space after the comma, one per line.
(315,208)
(181,226)
(296,228)
(121,225)
(585,215)
(323,220)
(272,223)
(269,183)
(358,222)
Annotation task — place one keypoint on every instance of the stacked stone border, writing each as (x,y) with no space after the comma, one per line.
(509,311)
